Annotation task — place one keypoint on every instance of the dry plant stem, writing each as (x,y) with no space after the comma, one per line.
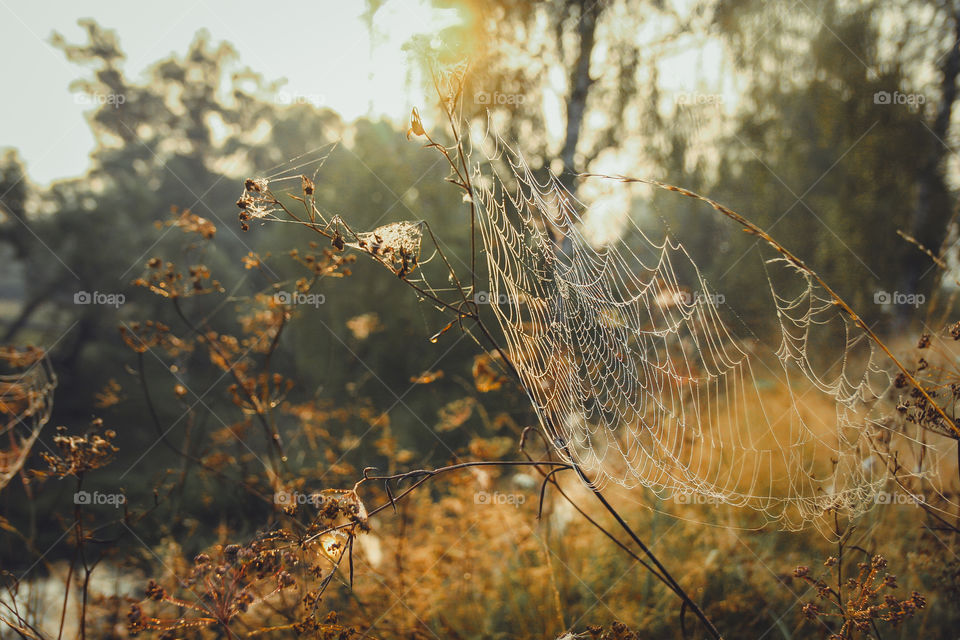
(841,538)
(467,309)
(85,593)
(73,561)
(158,427)
(423,475)
(271,433)
(548,478)
(464,177)
(753,229)
(335,631)
(553,584)
(80,556)
(927,508)
(18,624)
(937,260)
(322,589)
(322,230)
(274,344)
(687,601)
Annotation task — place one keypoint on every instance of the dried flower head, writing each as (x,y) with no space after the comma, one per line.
(79,454)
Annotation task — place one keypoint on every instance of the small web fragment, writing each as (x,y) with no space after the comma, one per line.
(397,245)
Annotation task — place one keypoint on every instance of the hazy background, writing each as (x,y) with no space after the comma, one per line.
(326,53)
(832,124)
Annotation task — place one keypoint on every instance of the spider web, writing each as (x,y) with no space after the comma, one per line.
(631,361)
(27,382)
(636,376)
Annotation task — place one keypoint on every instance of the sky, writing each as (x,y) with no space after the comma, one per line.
(322,48)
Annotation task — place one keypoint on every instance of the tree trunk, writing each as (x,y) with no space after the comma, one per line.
(931,191)
(580,82)
(26,312)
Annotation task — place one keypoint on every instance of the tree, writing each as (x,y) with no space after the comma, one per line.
(821,159)
(565,77)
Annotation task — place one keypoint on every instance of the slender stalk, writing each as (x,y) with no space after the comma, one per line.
(158,427)
(272,435)
(711,629)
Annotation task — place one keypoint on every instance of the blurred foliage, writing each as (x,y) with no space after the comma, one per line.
(184,137)
(220,414)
